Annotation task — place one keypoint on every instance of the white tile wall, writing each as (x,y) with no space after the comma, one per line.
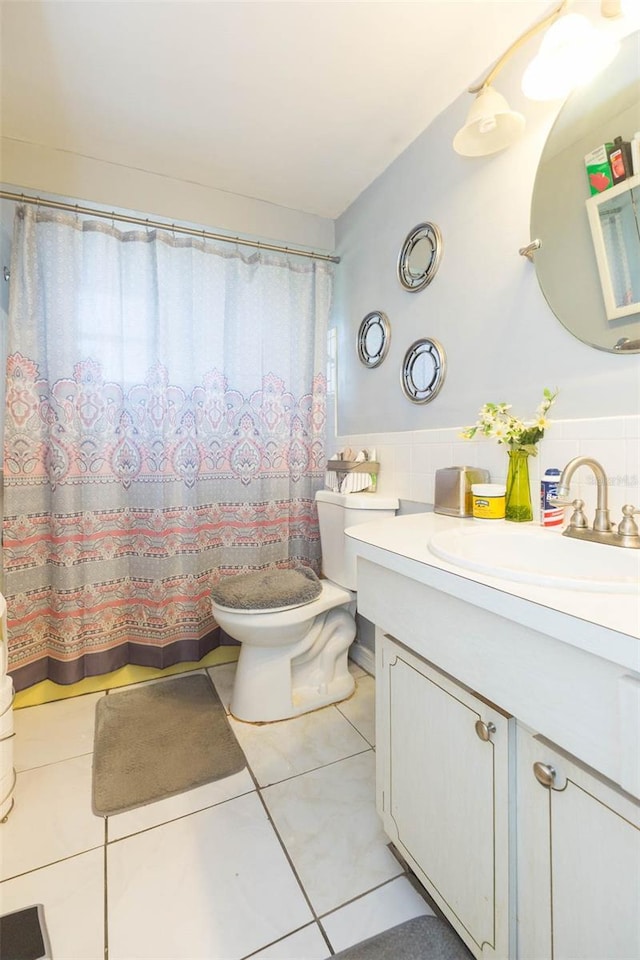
(409,460)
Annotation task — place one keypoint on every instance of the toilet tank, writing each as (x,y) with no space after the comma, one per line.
(336,512)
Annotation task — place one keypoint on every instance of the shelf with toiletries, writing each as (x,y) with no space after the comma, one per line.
(348,472)
(615,231)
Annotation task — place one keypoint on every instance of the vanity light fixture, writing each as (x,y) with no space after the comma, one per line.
(572,52)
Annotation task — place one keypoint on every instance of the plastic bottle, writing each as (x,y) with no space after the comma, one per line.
(550,515)
(635,154)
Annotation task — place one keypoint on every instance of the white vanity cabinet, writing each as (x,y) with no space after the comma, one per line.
(579,859)
(522,868)
(443,792)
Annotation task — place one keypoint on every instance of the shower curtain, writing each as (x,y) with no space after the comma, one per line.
(165,416)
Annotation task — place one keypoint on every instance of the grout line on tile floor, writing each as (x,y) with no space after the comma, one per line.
(288,858)
(274,783)
(53,763)
(51,863)
(372,745)
(361,896)
(286,852)
(182,816)
(105,933)
(290,934)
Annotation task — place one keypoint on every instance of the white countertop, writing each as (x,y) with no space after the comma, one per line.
(605,624)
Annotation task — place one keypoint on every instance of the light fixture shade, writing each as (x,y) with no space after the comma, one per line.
(572,52)
(491,126)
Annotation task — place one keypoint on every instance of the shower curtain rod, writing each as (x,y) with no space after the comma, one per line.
(158,225)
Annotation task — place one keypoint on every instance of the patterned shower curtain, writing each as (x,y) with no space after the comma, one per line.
(165,415)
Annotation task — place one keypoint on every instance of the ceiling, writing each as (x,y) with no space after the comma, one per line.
(302,104)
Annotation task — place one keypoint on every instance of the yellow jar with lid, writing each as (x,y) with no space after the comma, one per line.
(488,501)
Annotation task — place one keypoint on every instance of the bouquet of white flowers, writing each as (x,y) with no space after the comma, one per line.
(496,421)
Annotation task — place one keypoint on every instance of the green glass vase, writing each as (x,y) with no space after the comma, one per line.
(518,495)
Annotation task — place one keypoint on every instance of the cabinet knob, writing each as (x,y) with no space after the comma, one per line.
(484,730)
(544,774)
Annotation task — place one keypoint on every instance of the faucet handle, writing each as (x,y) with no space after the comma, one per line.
(627,526)
(558,501)
(578,518)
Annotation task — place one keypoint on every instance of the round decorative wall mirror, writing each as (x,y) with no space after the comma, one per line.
(423,370)
(567,262)
(420,257)
(374,335)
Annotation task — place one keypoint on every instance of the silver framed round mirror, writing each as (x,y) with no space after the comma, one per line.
(420,257)
(566,263)
(374,335)
(423,370)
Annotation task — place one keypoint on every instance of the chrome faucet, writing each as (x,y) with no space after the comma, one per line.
(603,531)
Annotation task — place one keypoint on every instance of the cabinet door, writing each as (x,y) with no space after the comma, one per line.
(578,860)
(445,796)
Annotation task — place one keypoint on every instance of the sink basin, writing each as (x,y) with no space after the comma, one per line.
(543,557)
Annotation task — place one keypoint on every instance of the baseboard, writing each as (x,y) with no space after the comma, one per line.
(364,657)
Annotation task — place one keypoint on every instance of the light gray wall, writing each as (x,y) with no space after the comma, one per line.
(44,171)
(501,339)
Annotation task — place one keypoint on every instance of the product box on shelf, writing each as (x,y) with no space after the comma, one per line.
(598,168)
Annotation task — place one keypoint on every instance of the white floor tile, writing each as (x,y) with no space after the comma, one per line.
(223,677)
(54,731)
(306,944)
(72,893)
(212,885)
(276,751)
(379,910)
(51,818)
(360,708)
(329,825)
(153,814)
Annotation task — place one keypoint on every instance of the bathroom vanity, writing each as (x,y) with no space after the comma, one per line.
(508,742)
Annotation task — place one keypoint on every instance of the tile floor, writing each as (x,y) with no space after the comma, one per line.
(285,860)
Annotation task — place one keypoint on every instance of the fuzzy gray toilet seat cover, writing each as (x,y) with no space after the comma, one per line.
(267,589)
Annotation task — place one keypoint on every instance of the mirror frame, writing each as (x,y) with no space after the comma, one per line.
(373,319)
(423,231)
(412,390)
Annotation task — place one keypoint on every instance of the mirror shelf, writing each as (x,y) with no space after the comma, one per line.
(614,219)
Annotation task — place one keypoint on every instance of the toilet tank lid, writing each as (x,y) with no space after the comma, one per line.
(358,501)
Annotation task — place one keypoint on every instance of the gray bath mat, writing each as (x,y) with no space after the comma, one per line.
(23,935)
(423,938)
(160,739)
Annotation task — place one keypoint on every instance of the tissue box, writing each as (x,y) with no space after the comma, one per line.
(598,168)
(453,490)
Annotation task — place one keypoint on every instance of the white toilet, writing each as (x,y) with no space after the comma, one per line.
(294,658)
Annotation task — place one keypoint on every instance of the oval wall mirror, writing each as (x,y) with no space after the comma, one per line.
(420,257)
(423,370)
(374,335)
(566,263)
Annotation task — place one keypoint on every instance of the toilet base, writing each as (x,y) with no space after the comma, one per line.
(277,683)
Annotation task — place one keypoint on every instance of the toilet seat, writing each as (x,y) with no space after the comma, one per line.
(257,610)
(331,595)
(267,591)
